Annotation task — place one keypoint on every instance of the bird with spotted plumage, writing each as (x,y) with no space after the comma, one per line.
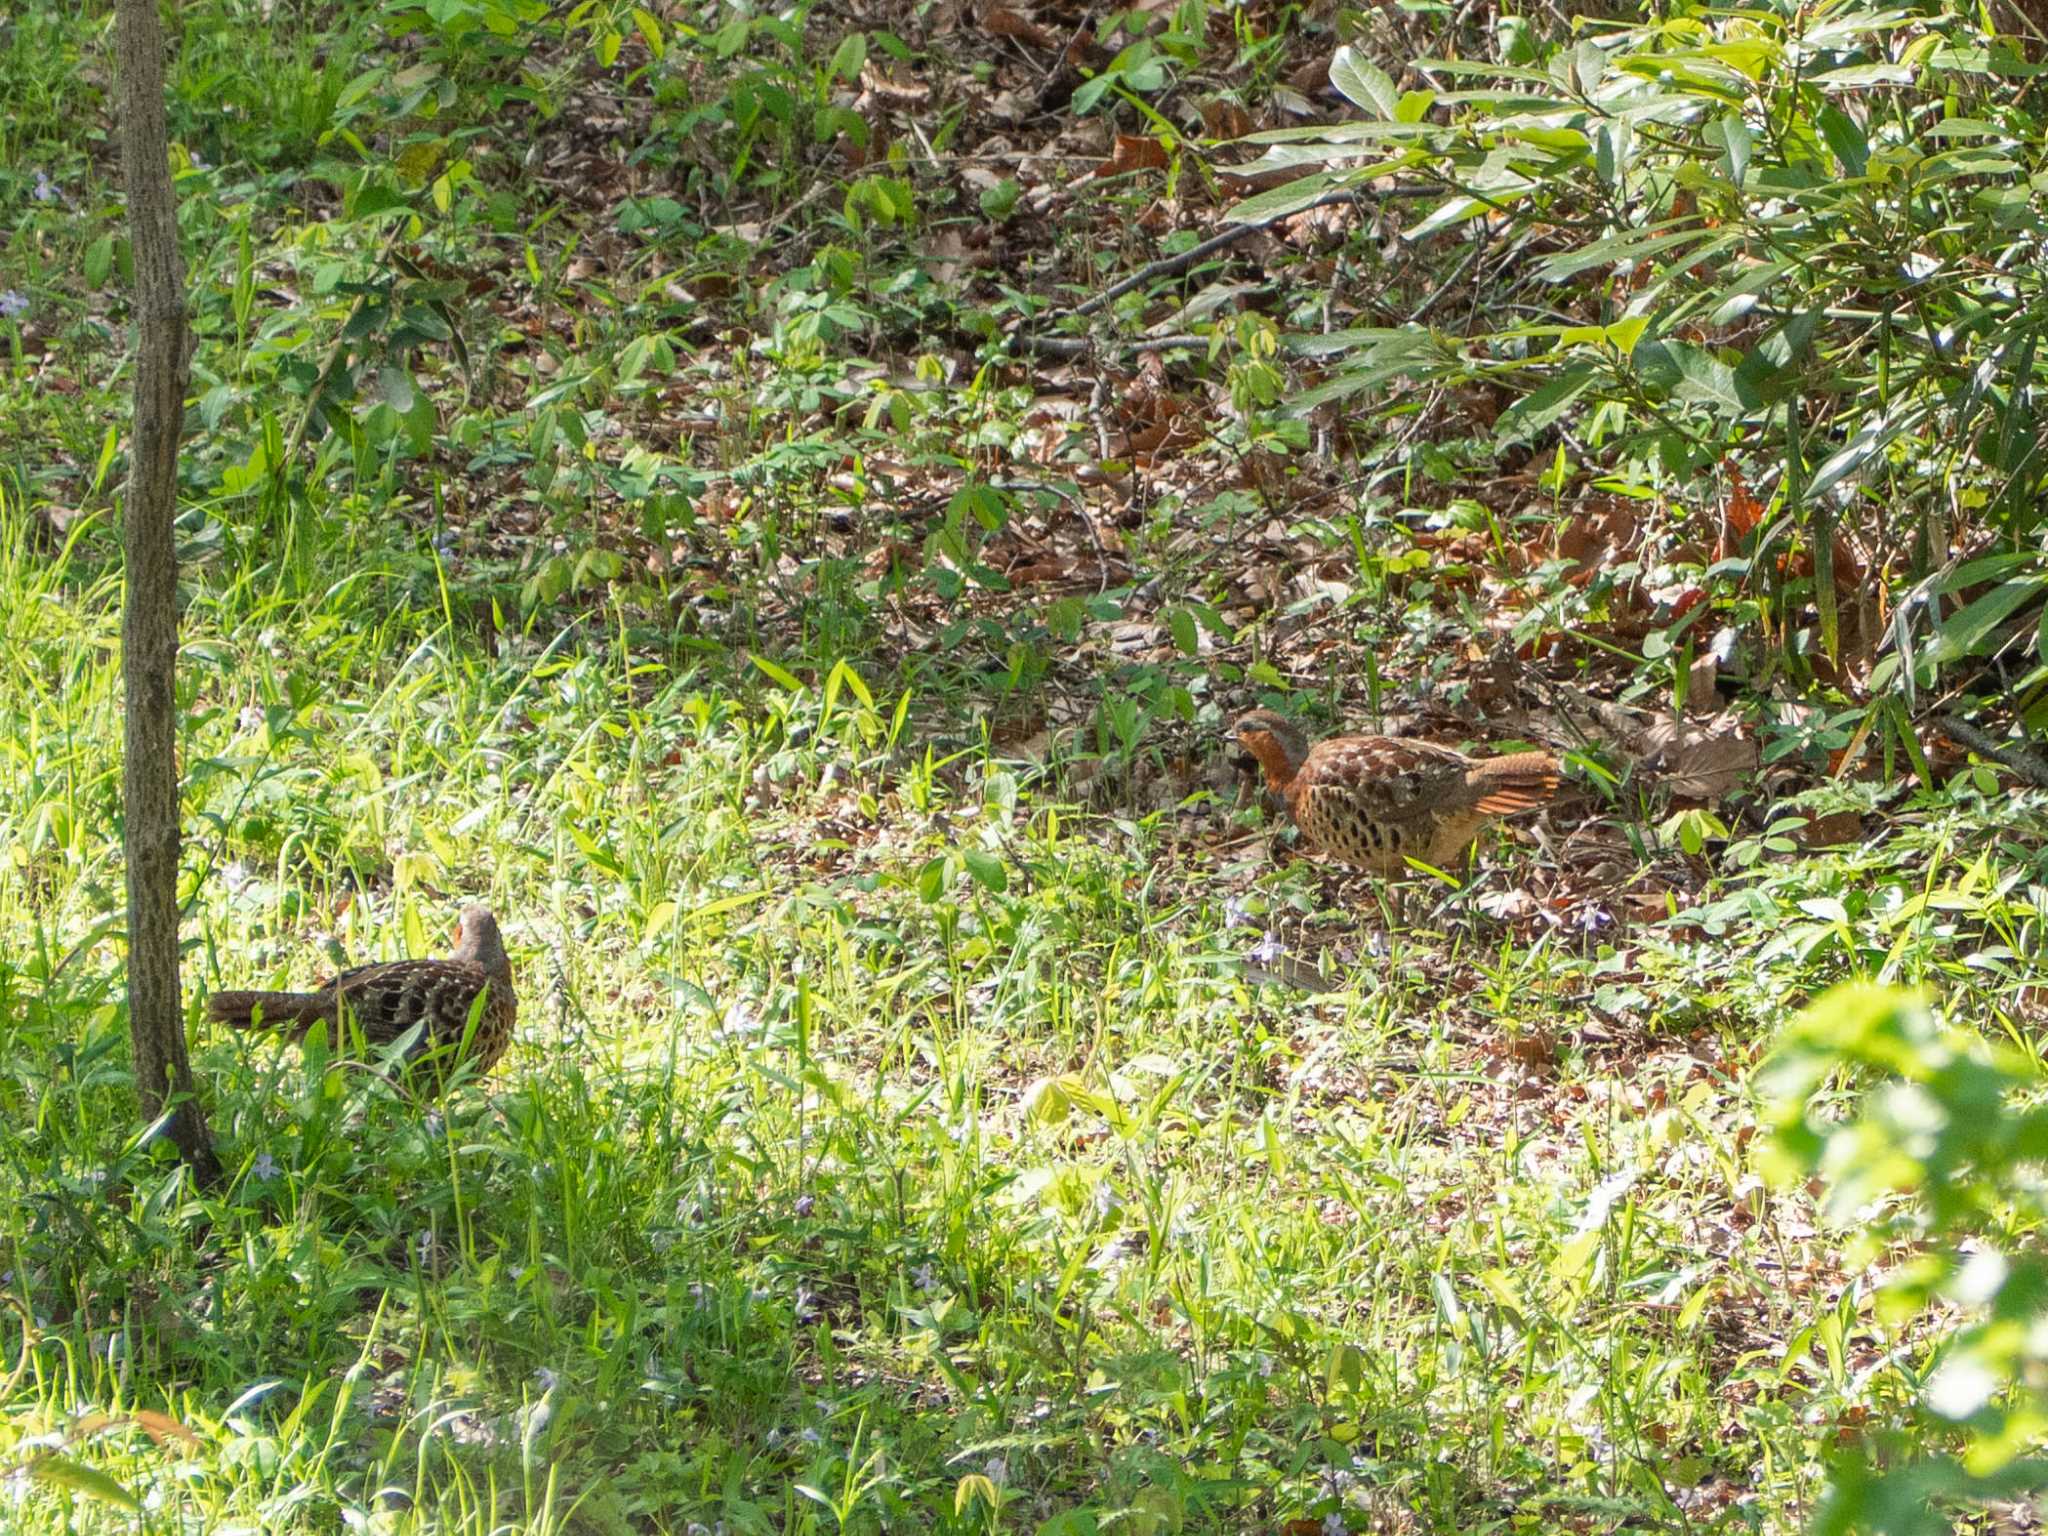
(383,1002)
(1375,802)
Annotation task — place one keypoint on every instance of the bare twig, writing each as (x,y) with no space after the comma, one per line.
(1168,266)
(2023,761)
(1081,346)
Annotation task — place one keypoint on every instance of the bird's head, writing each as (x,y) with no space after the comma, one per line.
(1275,741)
(477,940)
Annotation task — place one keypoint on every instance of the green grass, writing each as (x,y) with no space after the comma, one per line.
(898,1135)
(830,1160)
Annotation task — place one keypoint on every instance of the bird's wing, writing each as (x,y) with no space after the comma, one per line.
(389,999)
(1388,778)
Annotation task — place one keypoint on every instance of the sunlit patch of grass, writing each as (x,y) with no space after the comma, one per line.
(871,1130)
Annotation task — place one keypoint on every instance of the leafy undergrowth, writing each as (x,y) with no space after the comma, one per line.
(622,488)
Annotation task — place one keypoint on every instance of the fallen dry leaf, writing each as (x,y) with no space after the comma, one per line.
(1134,152)
(999,21)
(1700,760)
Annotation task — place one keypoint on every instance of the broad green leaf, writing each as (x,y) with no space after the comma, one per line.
(1966,633)
(1363,83)
(1293,197)
(395,388)
(1692,373)
(63,1472)
(1614,251)
(1845,139)
(778,674)
(1546,406)
(1736,143)
(1454,210)
(986,869)
(1413,107)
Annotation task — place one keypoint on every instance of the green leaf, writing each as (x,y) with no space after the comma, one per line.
(374,199)
(1051,1099)
(1292,197)
(1546,406)
(1612,149)
(787,679)
(63,1472)
(1629,248)
(395,389)
(1845,139)
(1734,137)
(99,261)
(1455,209)
(1966,633)
(1414,106)
(1362,83)
(1623,335)
(986,869)
(1692,373)
(851,55)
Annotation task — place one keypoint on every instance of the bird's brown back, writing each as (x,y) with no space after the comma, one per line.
(387,1000)
(1378,801)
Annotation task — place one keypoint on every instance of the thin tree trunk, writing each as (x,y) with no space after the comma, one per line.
(149,611)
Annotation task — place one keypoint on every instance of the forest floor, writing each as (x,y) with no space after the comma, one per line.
(944,1097)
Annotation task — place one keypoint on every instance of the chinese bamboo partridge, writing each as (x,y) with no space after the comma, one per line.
(385,1001)
(1377,801)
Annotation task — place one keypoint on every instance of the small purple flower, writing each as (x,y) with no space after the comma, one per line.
(804,1205)
(806,1305)
(1269,949)
(997,1470)
(434,1124)
(444,542)
(1333,1525)
(13,304)
(924,1277)
(811,1437)
(1234,914)
(545,1379)
(264,1168)
(46,189)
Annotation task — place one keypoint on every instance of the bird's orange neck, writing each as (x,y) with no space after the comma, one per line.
(1272,756)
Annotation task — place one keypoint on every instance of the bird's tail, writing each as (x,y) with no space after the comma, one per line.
(1520,781)
(278,1010)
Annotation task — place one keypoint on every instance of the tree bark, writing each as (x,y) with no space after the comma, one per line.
(149,609)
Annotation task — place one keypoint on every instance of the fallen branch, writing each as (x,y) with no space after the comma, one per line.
(2023,761)
(1169,266)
